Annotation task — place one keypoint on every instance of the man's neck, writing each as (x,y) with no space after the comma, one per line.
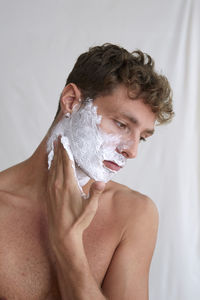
(28,178)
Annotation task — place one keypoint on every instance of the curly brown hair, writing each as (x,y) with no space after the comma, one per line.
(98,71)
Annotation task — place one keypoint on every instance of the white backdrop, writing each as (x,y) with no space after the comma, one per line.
(40,41)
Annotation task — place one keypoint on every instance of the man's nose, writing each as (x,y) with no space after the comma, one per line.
(129,149)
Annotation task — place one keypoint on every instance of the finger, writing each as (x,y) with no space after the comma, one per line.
(55,147)
(68,169)
(96,190)
(51,173)
(59,164)
(66,159)
(53,181)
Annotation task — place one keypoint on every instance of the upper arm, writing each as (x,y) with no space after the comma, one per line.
(128,272)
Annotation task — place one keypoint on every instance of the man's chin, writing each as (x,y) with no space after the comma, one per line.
(105,174)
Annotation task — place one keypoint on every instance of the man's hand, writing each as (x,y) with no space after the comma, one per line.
(69,214)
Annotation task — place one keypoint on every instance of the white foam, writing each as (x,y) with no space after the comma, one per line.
(86,144)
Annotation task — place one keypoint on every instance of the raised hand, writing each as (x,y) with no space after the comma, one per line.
(69,214)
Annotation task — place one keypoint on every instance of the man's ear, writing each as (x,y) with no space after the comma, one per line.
(70,96)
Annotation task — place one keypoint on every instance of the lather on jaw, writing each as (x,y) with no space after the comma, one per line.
(87,144)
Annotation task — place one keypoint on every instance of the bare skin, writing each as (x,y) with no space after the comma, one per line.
(118,243)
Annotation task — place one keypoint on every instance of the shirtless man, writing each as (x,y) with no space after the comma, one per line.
(54,244)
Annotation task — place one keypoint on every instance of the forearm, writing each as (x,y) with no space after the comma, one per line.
(75,279)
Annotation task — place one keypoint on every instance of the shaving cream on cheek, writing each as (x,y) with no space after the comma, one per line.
(87,145)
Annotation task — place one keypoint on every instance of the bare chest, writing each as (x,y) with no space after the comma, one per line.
(27,266)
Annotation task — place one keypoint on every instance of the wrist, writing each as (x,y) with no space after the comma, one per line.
(70,250)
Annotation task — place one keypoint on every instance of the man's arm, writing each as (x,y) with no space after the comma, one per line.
(74,274)
(128,273)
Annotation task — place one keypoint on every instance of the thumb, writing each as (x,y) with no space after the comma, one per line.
(92,204)
(96,189)
(95,192)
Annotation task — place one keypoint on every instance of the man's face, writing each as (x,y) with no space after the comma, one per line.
(132,120)
(103,133)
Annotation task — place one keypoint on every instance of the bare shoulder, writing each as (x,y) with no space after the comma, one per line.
(6,192)
(11,202)
(138,214)
(8,179)
(133,203)
(127,276)
(8,207)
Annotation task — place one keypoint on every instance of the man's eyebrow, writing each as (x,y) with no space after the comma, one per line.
(135,121)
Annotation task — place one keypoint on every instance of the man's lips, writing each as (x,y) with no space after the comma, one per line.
(111,165)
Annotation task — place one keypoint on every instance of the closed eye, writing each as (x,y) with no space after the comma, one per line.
(124,126)
(142,139)
(120,124)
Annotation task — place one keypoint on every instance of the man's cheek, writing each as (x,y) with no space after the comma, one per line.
(109,127)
